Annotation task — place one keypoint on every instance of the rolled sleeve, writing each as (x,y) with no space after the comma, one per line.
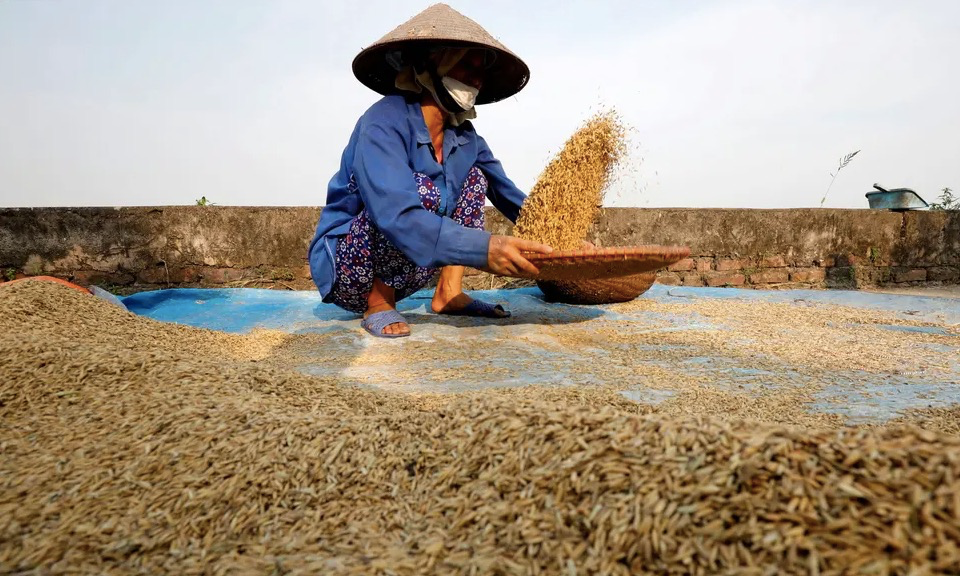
(464,246)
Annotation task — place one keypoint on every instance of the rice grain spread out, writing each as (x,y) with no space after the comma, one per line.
(133,446)
(567,196)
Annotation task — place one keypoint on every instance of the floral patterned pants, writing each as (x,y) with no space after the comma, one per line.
(364,253)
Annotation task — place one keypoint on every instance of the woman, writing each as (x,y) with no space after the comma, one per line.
(409,196)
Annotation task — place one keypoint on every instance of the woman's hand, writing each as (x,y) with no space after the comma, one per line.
(505,259)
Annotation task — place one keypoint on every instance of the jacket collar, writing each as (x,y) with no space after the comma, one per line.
(423,135)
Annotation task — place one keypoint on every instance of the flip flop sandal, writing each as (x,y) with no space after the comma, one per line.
(481,309)
(375,323)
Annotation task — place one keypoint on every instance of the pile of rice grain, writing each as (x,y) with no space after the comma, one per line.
(568,194)
(119,455)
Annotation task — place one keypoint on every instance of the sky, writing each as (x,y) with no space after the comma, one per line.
(730,103)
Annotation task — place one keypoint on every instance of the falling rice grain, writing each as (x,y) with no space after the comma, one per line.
(568,194)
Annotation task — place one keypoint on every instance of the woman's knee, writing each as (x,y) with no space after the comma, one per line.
(429,193)
(469,210)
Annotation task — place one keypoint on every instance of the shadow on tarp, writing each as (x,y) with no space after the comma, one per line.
(527,307)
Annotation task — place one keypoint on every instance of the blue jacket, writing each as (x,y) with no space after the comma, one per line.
(389,143)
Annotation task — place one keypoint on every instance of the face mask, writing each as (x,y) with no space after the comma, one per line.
(465,96)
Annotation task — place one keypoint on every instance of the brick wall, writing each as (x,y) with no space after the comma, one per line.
(133,249)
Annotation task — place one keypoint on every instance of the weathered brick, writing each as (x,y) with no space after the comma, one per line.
(153,275)
(773,262)
(770,277)
(876,257)
(841,277)
(869,276)
(222,275)
(84,276)
(692,279)
(840,261)
(910,275)
(731,264)
(808,275)
(164,275)
(704,264)
(668,278)
(96,277)
(185,275)
(725,279)
(684,265)
(943,274)
(281,274)
(849,260)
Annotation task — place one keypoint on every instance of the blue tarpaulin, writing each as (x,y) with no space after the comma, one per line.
(242,309)
(529,348)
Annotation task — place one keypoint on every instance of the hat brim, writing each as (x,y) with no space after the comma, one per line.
(506,76)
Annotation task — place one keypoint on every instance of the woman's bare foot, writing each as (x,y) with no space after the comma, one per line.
(449,297)
(449,303)
(381,299)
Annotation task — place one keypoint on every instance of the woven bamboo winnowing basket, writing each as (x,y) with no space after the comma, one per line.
(602,291)
(602,275)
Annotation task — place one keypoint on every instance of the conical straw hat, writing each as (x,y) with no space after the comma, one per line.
(441,24)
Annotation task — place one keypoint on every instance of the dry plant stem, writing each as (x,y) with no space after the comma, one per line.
(843,164)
